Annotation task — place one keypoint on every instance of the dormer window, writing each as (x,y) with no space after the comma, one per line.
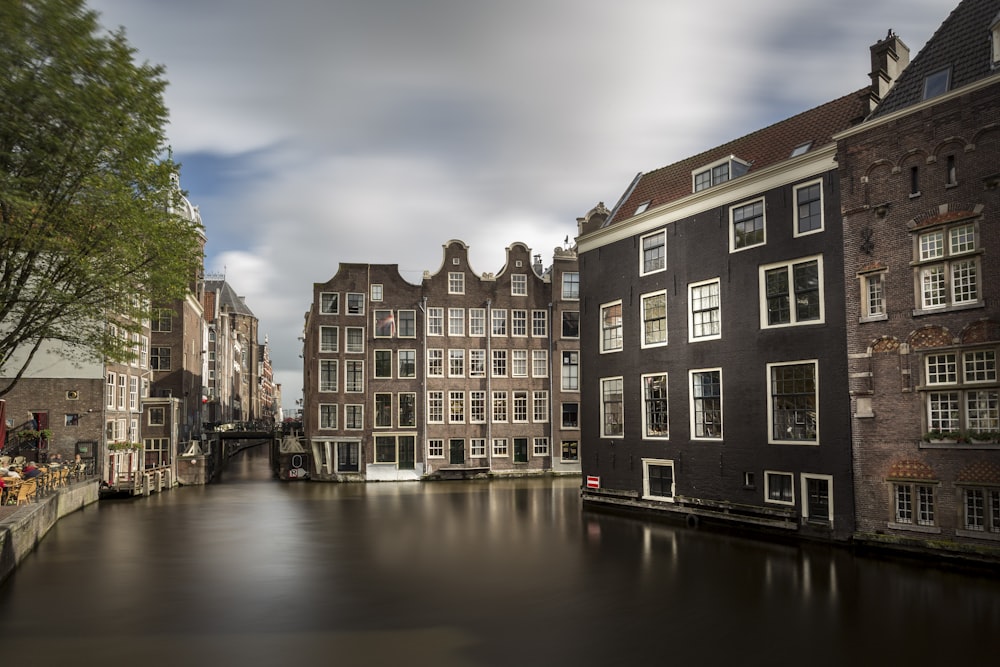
(937,83)
(719,172)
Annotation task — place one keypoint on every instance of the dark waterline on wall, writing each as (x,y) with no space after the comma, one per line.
(252,571)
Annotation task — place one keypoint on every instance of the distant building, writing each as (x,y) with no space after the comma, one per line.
(919,187)
(456,376)
(233,355)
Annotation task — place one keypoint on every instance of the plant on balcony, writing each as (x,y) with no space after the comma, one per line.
(124,446)
(983,436)
(31,436)
(937,435)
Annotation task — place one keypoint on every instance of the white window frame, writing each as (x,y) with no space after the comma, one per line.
(643,387)
(620,381)
(355,308)
(539,324)
(539,363)
(771,435)
(435,407)
(873,296)
(350,348)
(456,282)
(732,224)
(456,362)
(642,313)
(692,399)
(692,337)
(435,362)
(606,345)
(519,284)
(327,386)
(328,416)
(477,322)
(498,322)
(477,363)
(644,270)
(376,292)
(804,495)
(519,323)
(793,315)
(519,363)
(796,231)
(540,406)
(324,344)
(456,407)
(329,303)
(456,321)
(571,286)
(661,463)
(767,487)
(435,321)
(401,357)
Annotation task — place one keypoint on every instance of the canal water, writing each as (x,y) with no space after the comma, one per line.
(250,571)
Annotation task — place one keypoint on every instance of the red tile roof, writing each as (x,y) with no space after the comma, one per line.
(763,148)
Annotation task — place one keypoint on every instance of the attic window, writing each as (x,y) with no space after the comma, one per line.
(641,208)
(937,83)
(719,172)
(801,149)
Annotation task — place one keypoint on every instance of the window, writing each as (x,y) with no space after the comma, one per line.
(519,407)
(477,407)
(570,370)
(329,339)
(571,324)
(347,456)
(540,407)
(354,417)
(383,410)
(435,362)
(794,402)
(157,416)
(706,404)
(407,410)
(612,408)
(817,491)
(355,303)
(982,510)
(654,319)
(571,415)
(376,292)
(385,449)
(435,321)
(456,407)
(477,363)
(456,451)
(456,321)
(383,364)
(873,296)
(499,446)
(950,172)
(519,284)
(385,324)
(456,363)
(962,398)
(539,363)
(354,376)
(407,321)
(328,373)
(327,416)
(654,252)
(779,488)
(570,450)
(654,406)
(792,293)
(477,447)
(477,321)
(157,451)
(540,447)
(571,285)
(519,363)
(539,323)
(435,449)
(162,321)
(435,407)
(518,323)
(658,479)
(159,358)
(747,225)
(499,322)
(72,419)
(914,504)
(947,268)
(355,343)
(456,282)
(500,406)
(122,391)
(717,173)
(809,208)
(329,303)
(705,318)
(499,363)
(407,363)
(611,327)
(937,83)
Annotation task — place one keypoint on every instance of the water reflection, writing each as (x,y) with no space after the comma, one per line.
(462,573)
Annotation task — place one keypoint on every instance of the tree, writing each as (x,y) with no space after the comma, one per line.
(88,233)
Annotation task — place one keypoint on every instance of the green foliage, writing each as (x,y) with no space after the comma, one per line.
(124,446)
(88,234)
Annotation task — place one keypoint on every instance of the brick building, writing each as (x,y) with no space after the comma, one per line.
(454,376)
(922,270)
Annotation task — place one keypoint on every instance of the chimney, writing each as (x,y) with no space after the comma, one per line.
(889,58)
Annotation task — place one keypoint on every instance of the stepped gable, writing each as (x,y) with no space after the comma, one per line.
(763,148)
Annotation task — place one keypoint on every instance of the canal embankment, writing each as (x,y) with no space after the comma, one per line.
(23,527)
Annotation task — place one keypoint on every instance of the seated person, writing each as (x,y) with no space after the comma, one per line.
(31,470)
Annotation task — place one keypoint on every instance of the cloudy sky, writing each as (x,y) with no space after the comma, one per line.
(314,132)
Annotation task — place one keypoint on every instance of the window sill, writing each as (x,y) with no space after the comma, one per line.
(978,535)
(873,318)
(914,528)
(947,309)
(952,444)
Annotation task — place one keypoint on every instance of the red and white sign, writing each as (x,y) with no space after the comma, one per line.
(593,482)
